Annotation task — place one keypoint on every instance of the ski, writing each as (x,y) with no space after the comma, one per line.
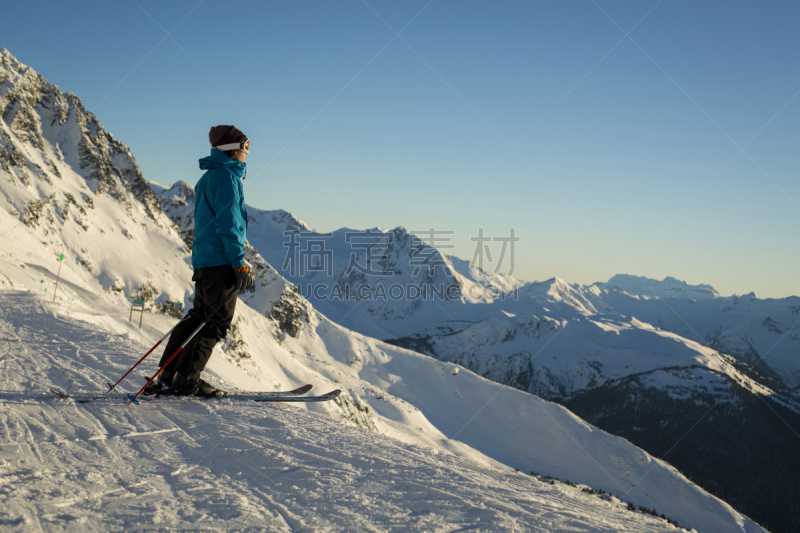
(294,392)
(281,396)
(328,396)
(255,397)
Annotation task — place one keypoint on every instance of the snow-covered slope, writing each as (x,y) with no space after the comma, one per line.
(553,343)
(756,331)
(235,465)
(561,342)
(272,463)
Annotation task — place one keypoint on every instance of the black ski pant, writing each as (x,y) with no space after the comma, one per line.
(213,285)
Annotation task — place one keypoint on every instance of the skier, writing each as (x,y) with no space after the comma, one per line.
(220,222)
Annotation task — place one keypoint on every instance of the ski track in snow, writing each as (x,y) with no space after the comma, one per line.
(186,465)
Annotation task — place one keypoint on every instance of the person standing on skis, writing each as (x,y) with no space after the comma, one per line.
(220,224)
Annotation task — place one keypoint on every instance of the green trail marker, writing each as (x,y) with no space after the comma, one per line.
(60,262)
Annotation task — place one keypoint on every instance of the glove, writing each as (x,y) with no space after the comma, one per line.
(245,280)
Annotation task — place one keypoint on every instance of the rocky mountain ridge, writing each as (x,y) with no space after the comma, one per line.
(77,187)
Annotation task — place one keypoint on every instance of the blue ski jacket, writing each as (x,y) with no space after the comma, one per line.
(220,216)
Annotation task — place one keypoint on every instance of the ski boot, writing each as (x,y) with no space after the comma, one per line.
(195,387)
(159,386)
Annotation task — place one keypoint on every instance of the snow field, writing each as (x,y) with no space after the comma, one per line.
(211,465)
(277,463)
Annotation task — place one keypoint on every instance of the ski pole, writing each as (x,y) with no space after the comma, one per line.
(173,356)
(112,387)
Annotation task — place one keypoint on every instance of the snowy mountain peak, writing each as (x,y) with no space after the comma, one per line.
(72,188)
(558,290)
(284,220)
(669,287)
(180,190)
(46,131)
(492,282)
(10,62)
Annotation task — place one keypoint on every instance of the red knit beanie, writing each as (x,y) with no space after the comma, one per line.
(220,135)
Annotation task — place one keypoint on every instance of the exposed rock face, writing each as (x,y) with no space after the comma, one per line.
(234,345)
(77,189)
(44,119)
(404,259)
(354,410)
(290,312)
(146,292)
(177,203)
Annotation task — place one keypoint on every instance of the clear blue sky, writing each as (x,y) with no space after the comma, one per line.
(626,150)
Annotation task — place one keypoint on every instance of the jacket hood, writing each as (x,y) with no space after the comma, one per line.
(218,159)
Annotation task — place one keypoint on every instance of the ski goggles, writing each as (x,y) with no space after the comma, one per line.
(244,146)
